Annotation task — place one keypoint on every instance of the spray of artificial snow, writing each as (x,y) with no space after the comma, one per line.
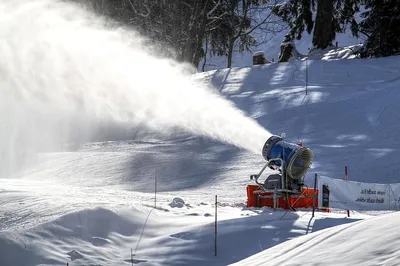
(62,70)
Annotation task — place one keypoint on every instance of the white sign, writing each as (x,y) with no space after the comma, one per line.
(350,195)
(395,188)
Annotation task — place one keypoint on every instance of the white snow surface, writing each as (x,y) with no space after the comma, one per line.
(366,242)
(88,206)
(93,204)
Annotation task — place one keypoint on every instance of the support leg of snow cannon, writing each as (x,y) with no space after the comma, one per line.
(268,164)
(252,198)
(292,161)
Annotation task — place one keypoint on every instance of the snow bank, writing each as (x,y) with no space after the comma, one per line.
(335,53)
(104,237)
(367,242)
(87,237)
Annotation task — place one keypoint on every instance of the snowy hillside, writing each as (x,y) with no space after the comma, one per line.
(89,206)
(347,117)
(367,242)
(110,156)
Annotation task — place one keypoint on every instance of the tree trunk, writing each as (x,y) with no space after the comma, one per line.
(205,57)
(199,54)
(230,53)
(324,32)
(286,52)
(196,33)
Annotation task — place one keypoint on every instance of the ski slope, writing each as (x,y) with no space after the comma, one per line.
(92,204)
(366,242)
(347,116)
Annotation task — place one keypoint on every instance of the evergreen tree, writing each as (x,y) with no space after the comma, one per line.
(332,17)
(345,12)
(325,30)
(298,15)
(382,26)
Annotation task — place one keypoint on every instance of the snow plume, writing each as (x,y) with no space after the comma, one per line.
(63,71)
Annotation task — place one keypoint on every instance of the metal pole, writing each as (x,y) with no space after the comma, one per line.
(215,227)
(315,189)
(346,173)
(306,75)
(155,188)
(389,198)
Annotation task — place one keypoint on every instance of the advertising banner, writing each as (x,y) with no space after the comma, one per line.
(395,188)
(342,194)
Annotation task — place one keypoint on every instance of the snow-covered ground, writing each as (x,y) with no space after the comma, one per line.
(93,203)
(89,206)
(367,242)
(164,236)
(271,49)
(347,116)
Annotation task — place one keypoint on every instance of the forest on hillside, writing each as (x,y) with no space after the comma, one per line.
(190,30)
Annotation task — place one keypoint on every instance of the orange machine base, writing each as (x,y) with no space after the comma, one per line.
(295,201)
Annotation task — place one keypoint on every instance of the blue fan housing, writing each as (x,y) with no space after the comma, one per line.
(297,160)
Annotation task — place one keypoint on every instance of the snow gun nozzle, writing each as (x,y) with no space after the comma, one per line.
(294,160)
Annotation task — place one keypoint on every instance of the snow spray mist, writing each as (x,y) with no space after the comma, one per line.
(62,70)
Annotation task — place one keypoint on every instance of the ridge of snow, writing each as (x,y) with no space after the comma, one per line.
(52,211)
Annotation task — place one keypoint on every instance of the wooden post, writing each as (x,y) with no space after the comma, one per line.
(306,76)
(155,188)
(346,176)
(315,189)
(215,227)
(131,257)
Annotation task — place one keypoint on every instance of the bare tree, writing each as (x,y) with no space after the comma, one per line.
(238,29)
(180,27)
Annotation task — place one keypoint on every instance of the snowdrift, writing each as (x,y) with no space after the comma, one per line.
(367,242)
(55,210)
(160,236)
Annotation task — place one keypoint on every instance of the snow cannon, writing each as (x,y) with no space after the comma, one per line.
(290,163)
(294,160)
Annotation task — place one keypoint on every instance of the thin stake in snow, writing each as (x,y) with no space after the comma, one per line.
(155,188)
(215,227)
(306,76)
(131,257)
(313,205)
(315,189)
(141,234)
(346,177)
